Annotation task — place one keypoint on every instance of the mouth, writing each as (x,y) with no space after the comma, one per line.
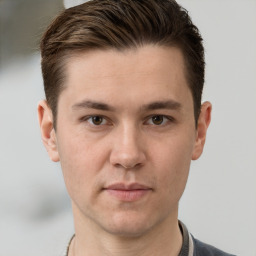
(128,192)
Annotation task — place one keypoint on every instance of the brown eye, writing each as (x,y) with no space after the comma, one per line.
(97,120)
(157,120)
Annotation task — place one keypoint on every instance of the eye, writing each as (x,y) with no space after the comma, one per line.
(96,120)
(158,120)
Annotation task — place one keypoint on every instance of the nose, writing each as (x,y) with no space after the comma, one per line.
(128,148)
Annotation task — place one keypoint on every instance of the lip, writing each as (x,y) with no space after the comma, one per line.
(128,192)
(131,186)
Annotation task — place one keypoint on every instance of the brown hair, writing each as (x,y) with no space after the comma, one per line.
(120,24)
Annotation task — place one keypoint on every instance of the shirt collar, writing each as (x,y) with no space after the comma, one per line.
(187,248)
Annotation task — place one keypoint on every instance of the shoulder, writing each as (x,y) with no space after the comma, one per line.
(202,249)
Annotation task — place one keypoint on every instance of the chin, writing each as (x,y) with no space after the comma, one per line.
(129,225)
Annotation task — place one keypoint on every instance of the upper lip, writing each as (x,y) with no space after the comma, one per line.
(123,186)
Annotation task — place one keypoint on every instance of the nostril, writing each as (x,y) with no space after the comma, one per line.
(131,166)
(126,166)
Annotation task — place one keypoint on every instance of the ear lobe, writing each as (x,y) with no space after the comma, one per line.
(202,126)
(48,134)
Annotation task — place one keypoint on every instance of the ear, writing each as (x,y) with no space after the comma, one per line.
(202,126)
(48,134)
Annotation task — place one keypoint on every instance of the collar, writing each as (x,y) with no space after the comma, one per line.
(187,248)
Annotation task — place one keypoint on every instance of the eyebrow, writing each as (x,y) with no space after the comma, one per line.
(167,104)
(93,105)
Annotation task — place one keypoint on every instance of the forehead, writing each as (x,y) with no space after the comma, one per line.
(110,63)
(141,74)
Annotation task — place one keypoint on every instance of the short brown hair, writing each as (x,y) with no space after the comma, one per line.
(120,25)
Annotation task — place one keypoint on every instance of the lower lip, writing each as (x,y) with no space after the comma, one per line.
(128,195)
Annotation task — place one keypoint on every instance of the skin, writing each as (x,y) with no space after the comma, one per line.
(130,141)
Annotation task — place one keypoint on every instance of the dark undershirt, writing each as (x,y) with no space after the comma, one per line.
(185,244)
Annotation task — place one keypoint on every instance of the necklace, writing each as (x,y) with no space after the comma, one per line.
(69,248)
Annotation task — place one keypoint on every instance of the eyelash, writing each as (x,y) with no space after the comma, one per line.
(87,118)
(165,118)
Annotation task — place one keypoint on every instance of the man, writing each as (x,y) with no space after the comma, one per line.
(123,115)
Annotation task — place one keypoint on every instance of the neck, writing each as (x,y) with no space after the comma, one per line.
(165,239)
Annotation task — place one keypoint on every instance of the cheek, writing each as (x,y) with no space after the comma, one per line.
(172,162)
(81,161)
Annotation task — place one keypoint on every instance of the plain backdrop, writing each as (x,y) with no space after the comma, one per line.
(219,203)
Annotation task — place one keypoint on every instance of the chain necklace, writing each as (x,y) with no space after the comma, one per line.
(71,248)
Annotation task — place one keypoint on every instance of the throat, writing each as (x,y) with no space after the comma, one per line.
(161,245)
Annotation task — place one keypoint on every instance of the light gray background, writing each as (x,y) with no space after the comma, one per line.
(219,204)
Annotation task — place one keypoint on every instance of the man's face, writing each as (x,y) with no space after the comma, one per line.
(125,137)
